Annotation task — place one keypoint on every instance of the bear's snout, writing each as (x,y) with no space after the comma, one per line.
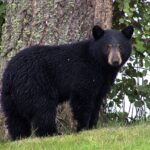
(114,57)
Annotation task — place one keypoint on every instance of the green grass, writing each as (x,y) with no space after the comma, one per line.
(112,138)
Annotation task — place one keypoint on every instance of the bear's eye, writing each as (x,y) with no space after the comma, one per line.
(109,46)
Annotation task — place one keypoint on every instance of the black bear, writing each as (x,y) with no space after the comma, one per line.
(40,77)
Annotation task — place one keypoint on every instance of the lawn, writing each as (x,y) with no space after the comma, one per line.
(111,138)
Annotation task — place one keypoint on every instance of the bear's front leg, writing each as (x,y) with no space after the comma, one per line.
(82,106)
(95,114)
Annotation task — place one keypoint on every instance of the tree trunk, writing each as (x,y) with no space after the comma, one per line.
(31,22)
(103,13)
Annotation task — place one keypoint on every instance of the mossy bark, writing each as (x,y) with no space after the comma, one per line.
(30,22)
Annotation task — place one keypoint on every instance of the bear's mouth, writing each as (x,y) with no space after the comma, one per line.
(115,64)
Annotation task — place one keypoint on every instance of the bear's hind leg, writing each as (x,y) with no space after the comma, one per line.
(44,122)
(18,127)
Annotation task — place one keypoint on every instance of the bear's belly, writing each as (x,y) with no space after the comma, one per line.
(64,93)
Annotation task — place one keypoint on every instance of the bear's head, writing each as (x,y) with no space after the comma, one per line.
(111,47)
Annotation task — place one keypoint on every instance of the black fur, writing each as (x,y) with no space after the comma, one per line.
(38,78)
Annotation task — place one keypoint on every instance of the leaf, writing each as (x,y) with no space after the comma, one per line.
(111,104)
(147,62)
(138,104)
(121,20)
(140,46)
(148,104)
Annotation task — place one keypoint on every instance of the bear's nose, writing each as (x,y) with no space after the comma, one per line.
(115,62)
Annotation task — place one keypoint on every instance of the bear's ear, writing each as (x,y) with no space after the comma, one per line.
(128,31)
(97,32)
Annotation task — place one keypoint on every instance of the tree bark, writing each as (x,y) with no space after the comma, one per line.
(31,22)
(103,13)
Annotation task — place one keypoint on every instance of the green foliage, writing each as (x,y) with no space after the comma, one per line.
(133,82)
(117,117)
